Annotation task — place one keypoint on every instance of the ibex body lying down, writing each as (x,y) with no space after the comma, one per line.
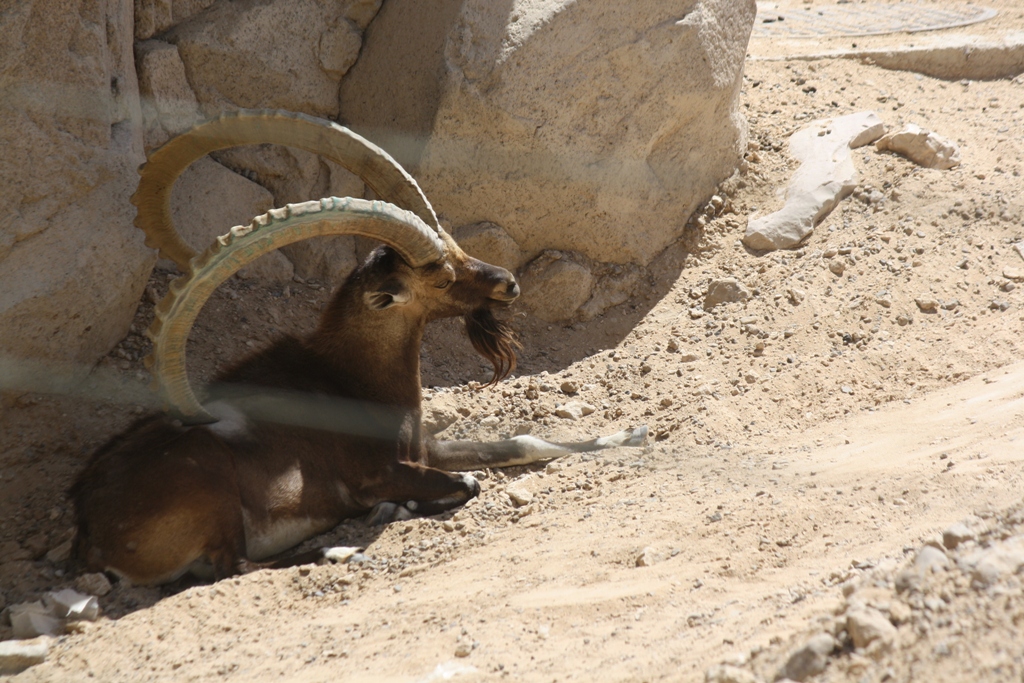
(311,430)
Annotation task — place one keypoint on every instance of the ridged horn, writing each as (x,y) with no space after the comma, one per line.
(413,239)
(374,166)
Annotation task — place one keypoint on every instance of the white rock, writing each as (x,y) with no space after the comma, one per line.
(867,625)
(826,175)
(989,565)
(287,54)
(574,410)
(341,554)
(930,558)
(31,619)
(923,147)
(72,268)
(18,655)
(518,494)
(72,605)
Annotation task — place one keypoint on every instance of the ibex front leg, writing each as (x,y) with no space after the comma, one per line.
(414,490)
(462,456)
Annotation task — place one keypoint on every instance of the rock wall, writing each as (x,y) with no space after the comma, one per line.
(88,86)
(569,141)
(71,266)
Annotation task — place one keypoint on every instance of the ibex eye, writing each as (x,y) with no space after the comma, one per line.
(445,285)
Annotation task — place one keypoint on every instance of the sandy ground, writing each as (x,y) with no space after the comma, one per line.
(807,445)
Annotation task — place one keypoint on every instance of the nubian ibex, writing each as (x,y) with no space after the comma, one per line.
(314,429)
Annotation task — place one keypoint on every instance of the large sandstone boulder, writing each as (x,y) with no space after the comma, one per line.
(594,127)
(72,266)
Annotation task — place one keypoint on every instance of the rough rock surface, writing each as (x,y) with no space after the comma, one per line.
(169,106)
(826,175)
(490,243)
(555,285)
(594,127)
(71,265)
(286,54)
(208,200)
(609,157)
(923,147)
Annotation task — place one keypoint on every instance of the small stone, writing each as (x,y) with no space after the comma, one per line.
(923,147)
(463,649)
(1015,274)
(93,584)
(810,659)
(727,673)
(648,558)
(837,266)
(987,566)
(957,534)
(569,387)
(726,290)
(867,625)
(904,319)
(930,558)
(18,655)
(688,358)
(796,296)
(519,495)
(60,553)
(927,304)
(574,410)
(341,554)
(899,612)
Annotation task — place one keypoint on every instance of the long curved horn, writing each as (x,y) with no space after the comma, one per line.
(414,240)
(373,165)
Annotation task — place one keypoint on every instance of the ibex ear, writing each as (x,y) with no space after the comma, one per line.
(390,293)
